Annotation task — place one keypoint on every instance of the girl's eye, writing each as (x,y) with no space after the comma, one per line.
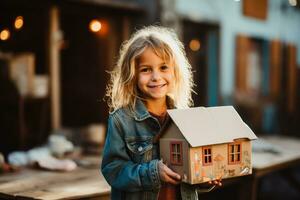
(164,67)
(145,69)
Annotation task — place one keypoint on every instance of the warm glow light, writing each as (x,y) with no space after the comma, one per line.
(195,45)
(4,34)
(19,22)
(95,25)
(293,2)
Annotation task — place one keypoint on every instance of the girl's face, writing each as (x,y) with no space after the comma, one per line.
(155,77)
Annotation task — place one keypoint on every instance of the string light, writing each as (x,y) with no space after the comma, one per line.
(19,22)
(4,34)
(95,25)
(195,45)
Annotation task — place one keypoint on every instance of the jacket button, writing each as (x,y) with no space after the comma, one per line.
(140,149)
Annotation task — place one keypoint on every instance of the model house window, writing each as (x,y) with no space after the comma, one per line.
(234,153)
(176,153)
(207,154)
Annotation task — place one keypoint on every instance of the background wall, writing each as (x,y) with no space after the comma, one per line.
(283,23)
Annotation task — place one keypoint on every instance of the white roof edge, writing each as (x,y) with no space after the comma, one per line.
(212,121)
(223,142)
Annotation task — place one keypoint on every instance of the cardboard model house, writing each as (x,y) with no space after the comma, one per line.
(202,144)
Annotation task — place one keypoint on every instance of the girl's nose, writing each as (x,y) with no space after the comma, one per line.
(155,76)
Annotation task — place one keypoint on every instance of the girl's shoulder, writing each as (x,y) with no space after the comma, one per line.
(121,118)
(121,112)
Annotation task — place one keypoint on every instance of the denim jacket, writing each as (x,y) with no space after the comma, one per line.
(130,158)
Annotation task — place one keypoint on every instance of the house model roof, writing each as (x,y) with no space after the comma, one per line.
(212,125)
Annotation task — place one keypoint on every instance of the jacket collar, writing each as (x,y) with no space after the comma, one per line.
(141,112)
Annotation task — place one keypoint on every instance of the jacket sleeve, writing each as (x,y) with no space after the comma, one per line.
(118,168)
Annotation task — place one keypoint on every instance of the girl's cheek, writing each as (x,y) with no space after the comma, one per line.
(142,79)
(171,78)
(172,85)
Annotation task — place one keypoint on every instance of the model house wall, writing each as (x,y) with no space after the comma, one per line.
(173,134)
(220,165)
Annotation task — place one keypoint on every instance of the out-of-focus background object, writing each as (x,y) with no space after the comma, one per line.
(22,71)
(94,138)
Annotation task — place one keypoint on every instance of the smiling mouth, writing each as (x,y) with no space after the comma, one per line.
(157,86)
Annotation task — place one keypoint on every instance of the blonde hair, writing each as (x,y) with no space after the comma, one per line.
(122,88)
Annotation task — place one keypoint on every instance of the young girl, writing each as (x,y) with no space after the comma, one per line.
(151,76)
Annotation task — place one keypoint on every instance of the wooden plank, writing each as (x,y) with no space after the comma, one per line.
(39,184)
(288,152)
(264,162)
(86,187)
(242,50)
(256,8)
(121,5)
(54,40)
(275,68)
(32,179)
(126,28)
(291,77)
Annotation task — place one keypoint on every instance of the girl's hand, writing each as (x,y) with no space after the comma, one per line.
(213,183)
(216,182)
(167,175)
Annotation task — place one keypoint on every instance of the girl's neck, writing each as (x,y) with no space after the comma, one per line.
(157,107)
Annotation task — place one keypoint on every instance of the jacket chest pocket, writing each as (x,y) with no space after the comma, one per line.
(140,148)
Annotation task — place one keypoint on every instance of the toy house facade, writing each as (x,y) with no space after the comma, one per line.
(202,144)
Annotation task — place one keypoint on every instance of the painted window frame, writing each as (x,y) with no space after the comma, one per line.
(177,153)
(235,153)
(204,155)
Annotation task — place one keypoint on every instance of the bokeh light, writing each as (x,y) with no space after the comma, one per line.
(4,34)
(195,45)
(19,22)
(95,25)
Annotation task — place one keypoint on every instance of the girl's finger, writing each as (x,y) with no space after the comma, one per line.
(172,181)
(172,174)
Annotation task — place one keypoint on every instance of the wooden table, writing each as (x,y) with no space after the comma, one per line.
(88,182)
(284,155)
(83,183)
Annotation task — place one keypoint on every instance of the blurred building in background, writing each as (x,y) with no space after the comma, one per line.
(244,53)
(57,54)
